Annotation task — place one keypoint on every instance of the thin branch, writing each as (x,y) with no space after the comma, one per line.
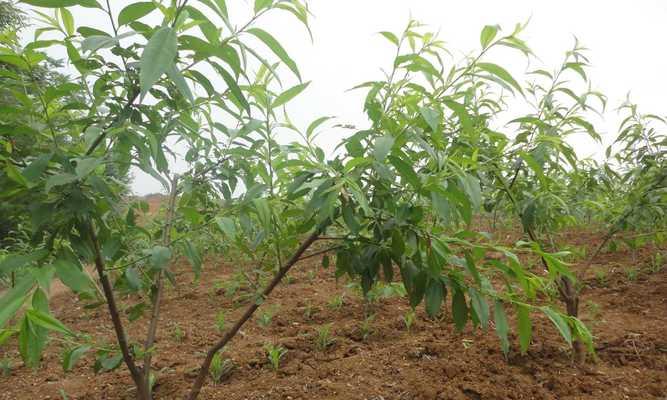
(203,370)
(115,315)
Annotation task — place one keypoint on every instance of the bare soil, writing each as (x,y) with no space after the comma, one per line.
(433,361)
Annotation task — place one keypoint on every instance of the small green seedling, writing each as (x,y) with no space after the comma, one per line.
(601,277)
(337,302)
(177,333)
(274,354)
(366,327)
(324,339)
(632,274)
(220,318)
(6,367)
(264,319)
(409,319)
(221,367)
(308,311)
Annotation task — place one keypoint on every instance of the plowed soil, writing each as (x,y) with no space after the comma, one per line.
(627,313)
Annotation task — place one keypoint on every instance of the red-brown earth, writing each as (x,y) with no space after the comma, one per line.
(627,313)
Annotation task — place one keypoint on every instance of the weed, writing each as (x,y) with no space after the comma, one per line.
(221,367)
(632,274)
(264,319)
(308,311)
(366,327)
(601,277)
(409,319)
(337,302)
(220,321)
(6,367)
(177,333)
(274,354)
(593,309)
(324,338)
(657,263)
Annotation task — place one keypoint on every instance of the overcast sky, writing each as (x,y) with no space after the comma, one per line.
(623,37)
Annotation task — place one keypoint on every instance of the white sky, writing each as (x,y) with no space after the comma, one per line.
(624,38)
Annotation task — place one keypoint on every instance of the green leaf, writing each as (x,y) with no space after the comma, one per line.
(391,37)
(501,73)
(159,257)
(383,146)
(459,308)
(434,297)
(135,11)
(488,34)
(68,21)
(32,341)
(14,174)
(84,166)
(227,226)
(193,255)
(233,87)
(560,323)
(71,356)
(262,4)
(525,327)
(406,171)
(93,43)
(14,298)
(36,168)
(59,180)
(47,321)
(480,306)
(502,327)
(277,49)
(157,58)
(471,186)
(289,94)
(133,278)
(177,77)
(71,274)
(62,3)
(432,117)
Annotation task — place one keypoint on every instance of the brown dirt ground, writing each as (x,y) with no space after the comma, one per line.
(434,361)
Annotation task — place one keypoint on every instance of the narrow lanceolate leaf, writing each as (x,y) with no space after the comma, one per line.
(502,327)
(157,58)
(383,146)
(277,49)
(233,88)
(47,321)
(71,356)
(62,3)
(68,21)
(501,73)
(177,77)
(480,306)
(289,94)
(525,327)
(14,298)
(434,296)
(391,37)
(135,11)
(560,322)
(488,34)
